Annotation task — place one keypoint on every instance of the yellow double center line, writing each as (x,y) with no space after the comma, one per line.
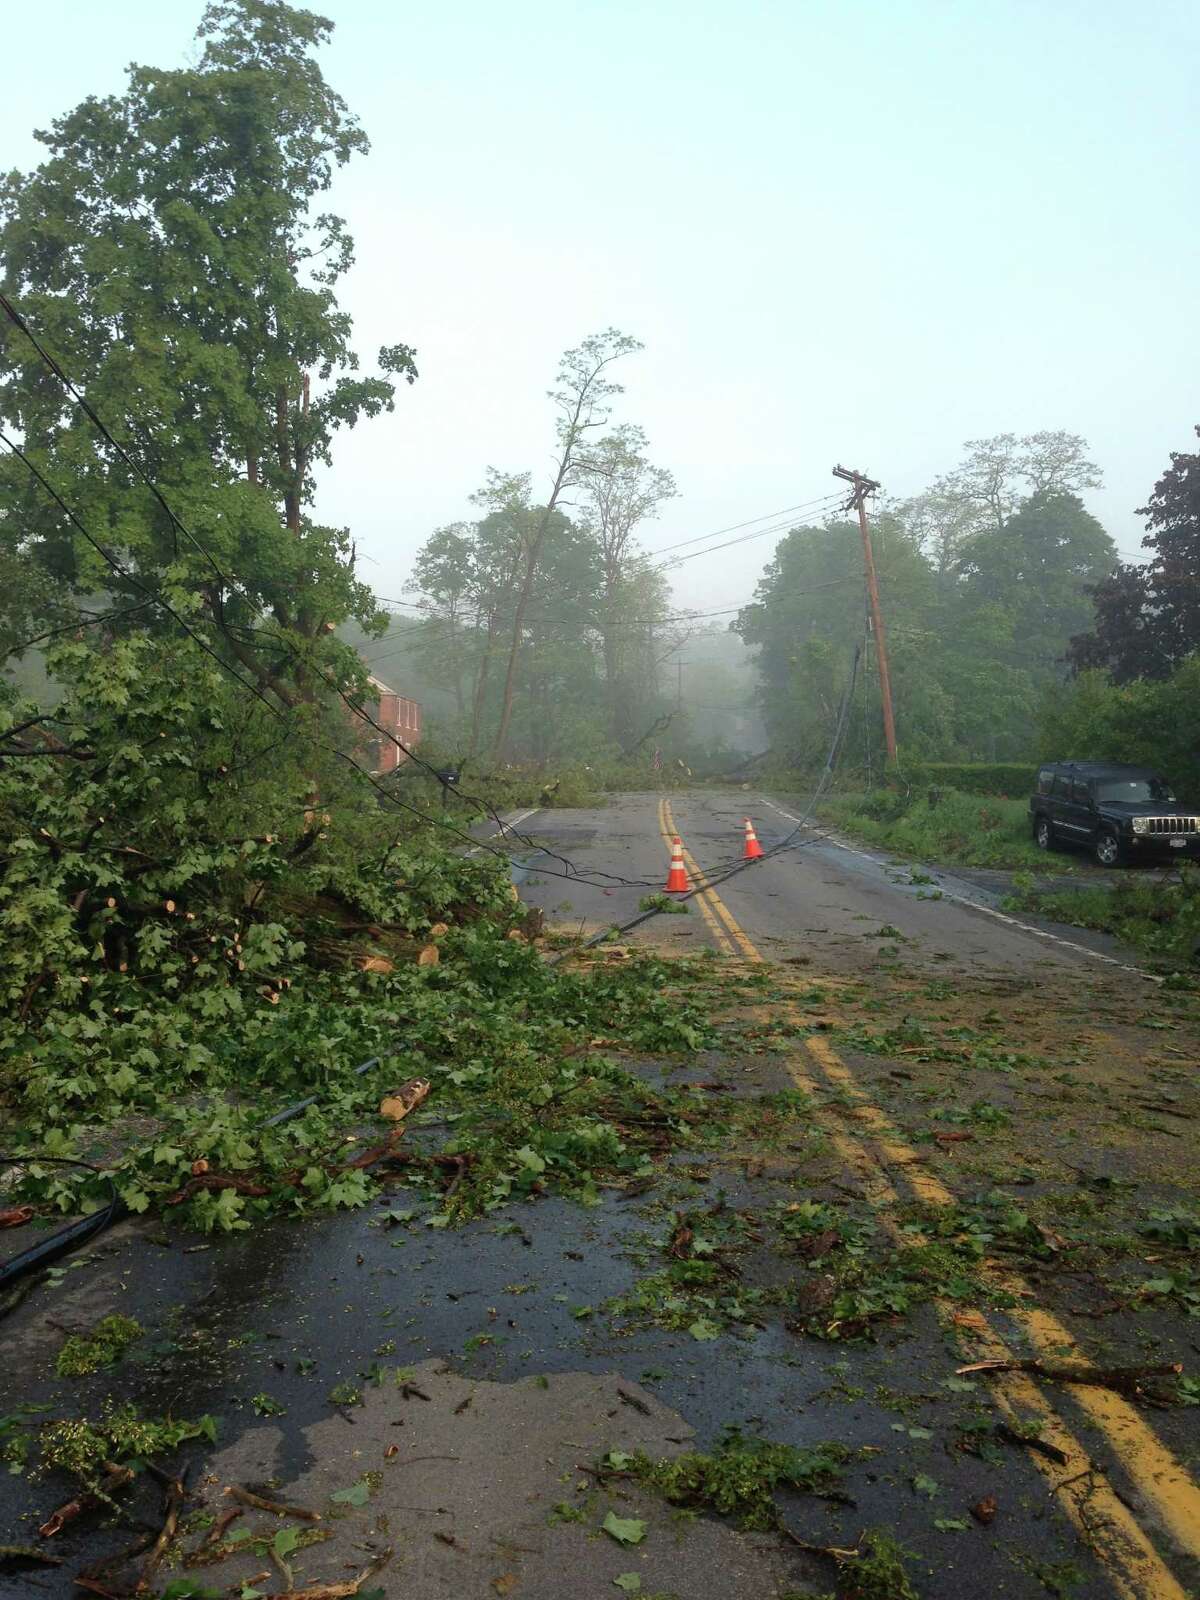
(1169,1495)
(721,921)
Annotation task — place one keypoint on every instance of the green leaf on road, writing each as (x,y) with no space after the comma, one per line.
(625,1530)
(285,1541)
(923,1484)
(630,1582)
(356,1495)
(705,1328)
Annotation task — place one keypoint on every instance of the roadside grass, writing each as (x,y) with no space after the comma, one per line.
(942,826)
(1161,918)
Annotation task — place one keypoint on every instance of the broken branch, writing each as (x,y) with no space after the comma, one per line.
(1125,1380)
(278,1508)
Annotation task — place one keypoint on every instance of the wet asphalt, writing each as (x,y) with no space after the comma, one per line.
(294,1309)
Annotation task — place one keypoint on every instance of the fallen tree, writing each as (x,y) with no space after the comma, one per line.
(189,941)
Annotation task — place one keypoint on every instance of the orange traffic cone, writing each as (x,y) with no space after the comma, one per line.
(677,878)
(753,850)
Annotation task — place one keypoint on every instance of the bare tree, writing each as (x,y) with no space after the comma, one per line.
(989,482)
(582,397)
(622,491)
(1055,463)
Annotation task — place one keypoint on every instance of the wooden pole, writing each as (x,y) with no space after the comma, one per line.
(861,488)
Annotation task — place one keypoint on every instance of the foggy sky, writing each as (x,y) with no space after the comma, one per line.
(844,230)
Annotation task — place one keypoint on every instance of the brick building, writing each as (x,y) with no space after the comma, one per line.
(401,718)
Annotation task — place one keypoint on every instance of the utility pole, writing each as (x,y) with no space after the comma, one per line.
(679,685)
(862,487)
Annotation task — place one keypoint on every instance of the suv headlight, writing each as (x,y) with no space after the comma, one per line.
(1141,824)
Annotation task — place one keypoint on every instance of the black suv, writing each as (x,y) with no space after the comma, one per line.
(1120,813)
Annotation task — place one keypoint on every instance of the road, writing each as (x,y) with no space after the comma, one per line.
(819,898)
(938,1056)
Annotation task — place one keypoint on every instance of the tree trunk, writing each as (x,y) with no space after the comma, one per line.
(566,462)
(514,653)
(457,669)
(610,654)
(481,681)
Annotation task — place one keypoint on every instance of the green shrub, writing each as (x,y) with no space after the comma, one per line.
(1014,779)
(1160,919)
(1148,722)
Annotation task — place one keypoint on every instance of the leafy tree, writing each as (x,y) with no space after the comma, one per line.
(1038,566)
(1149,720)
(621,491)
(1147,617)
(582,399)
(979,613)
(168,255)
(445,572)
(808,614)
(593,605)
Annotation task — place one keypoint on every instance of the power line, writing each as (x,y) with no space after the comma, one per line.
(572,871)
(683,616)
(575,622)
(768,516)
(19,322)
(84,405)
(760,533)
(436,626)
(85,619)
(125,573)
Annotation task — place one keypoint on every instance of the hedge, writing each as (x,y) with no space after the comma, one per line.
(1012,778)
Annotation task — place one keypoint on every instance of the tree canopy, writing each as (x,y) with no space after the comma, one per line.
(170,256)
(1147,615)
(982,589)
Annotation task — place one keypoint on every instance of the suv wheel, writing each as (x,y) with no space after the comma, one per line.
(1043,833)
(1107,848)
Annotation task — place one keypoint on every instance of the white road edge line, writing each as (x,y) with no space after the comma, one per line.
(973,905)
(506,823)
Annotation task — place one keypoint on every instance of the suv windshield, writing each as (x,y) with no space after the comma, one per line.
(1135,791)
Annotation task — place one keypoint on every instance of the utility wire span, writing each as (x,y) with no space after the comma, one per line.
(80,400)
(85,406)
(575,622)
(768,516)
(358,710)
(84,619)
(684,616)
(571,871)
(743,538)
(438,628)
